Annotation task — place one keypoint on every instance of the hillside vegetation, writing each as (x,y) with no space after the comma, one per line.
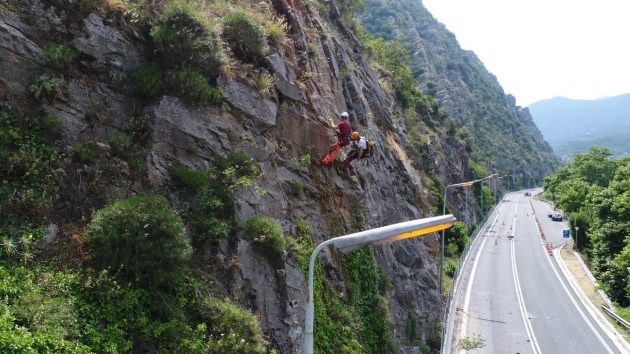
(594,192)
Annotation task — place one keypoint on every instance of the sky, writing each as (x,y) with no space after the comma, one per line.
(540,49)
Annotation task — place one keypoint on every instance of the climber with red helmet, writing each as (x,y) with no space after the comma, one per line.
(343,130)
(359,145)
(343,138)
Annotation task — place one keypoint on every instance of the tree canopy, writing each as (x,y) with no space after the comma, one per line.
(594,191)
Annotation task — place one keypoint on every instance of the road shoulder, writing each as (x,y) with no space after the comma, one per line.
(583,282)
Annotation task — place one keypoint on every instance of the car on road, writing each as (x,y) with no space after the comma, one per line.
(528,194)
(556,216)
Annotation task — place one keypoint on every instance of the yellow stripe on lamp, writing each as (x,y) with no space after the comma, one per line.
(420,232)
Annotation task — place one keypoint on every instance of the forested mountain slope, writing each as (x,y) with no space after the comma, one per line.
(503,136)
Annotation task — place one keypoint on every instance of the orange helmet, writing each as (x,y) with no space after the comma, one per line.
(356,136)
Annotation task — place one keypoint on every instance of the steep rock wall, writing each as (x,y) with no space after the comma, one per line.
(320,72)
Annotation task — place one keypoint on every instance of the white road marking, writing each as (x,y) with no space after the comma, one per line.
(571,297)
(519,294)
(472,277)
(604,325)
(468,291)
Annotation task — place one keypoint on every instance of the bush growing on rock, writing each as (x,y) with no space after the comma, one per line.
(245,37)
(189,179)
(120,143)
(61,55)
(148,80)
(211,216)
(458,236)
(47,88)
(267,233)
(450,268)
(195,88)
(29,170)
(233,330)
(183,37)
(141,240)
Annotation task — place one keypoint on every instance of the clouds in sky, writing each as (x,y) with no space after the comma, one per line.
(539,49)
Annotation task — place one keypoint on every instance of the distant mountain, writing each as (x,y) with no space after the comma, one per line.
(572,126)
(619,146)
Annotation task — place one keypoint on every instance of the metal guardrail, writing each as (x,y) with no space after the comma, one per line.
(612,314)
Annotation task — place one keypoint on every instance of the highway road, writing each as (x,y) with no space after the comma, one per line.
(513,293)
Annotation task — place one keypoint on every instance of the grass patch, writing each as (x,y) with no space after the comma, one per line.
(194,87)
(47,88)
(245,36)
(60,55)
(264,82)
(276,30)
(184,37)
(120,143)
(85,154)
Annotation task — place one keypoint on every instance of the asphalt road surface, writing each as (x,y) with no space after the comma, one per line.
(513,295)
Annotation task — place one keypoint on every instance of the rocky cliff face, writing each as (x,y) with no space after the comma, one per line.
(319,71)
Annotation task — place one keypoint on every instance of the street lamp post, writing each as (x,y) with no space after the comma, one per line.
(347,243)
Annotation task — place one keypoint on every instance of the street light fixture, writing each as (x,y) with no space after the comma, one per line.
(462,184)
(347,243)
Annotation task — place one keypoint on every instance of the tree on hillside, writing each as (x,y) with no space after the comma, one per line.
(595,167)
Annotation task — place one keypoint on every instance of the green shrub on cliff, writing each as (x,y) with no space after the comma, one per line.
(267,233)
(183,37)
(211,215)
(195,88)
(148,80)
(141,240)
(61,55)
(245,36)
(29,173)
(231,329)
